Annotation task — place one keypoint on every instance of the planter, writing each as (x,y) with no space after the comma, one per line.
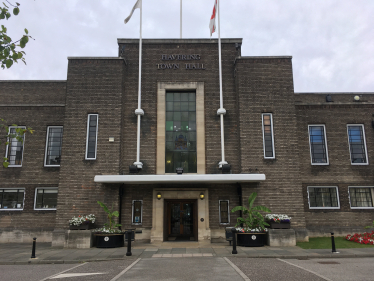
(109,240)
(279,225)
(83,226)
(251,239)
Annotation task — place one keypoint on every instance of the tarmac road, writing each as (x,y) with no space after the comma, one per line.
(197,268)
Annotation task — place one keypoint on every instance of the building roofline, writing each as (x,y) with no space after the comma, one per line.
(95,58)
(336,93)
(179,41)
(33,81)
(263,57)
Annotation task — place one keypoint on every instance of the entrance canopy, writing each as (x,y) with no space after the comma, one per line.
(186,178)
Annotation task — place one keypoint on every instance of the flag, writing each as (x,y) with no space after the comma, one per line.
(137,5)
(212,24)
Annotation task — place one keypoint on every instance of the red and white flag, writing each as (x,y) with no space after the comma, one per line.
(212,24)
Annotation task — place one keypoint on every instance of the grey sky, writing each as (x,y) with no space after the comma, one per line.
(331,41)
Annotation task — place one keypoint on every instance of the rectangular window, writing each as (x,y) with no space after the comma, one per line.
(361,197)
(268,135)
(180,145)
(318,145)
(46,198)
(14,150)
(53,146)
(323,197)
(91,143)
(224,212)
(137,211)
(357,144)
(12,199)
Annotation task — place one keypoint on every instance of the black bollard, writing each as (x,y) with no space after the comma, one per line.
(33,248)
(129,236)
(234,251)
(333,243)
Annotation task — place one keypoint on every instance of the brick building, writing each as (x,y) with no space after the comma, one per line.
(307,155)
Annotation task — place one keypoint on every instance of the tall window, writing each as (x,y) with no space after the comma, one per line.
(361,197)
(91,144)
(53,146)
(318,145)
(137,211)
(180,132)
(14,150)
(12,199)
(268,136)
(323,197)
(357,144)
(46,198)
(224,212)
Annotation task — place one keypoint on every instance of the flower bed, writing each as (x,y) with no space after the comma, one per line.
(87,219)
(277,218)
(248,230)
(364,238)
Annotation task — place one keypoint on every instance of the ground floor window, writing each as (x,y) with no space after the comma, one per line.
(12,199)
(361,197)
(46,198)
(323,197)
(224,212)
(137,209)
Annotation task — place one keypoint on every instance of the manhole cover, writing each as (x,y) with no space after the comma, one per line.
(328,262)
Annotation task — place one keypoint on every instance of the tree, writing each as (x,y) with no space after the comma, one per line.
(18,135)
(9,53)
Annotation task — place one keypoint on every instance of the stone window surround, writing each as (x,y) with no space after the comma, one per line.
(162,87)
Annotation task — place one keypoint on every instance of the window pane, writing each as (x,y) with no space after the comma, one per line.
(323,197)
(54,144)
(11,198)
(92,136)
(357,144)
(137,215)
(268,136)
(15,148)
(224,211)
(361,197)
(318,149)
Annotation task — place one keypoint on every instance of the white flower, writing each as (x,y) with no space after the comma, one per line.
(81,219)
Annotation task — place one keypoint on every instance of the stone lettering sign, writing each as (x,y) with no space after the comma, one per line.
(172,62)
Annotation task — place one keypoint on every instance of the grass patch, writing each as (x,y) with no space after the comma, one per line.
(325,243)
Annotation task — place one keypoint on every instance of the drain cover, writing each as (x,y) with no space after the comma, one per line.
(328,262)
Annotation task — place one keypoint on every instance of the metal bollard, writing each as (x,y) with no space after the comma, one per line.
(333,243)
(33,248)
(234,251)
(129,235)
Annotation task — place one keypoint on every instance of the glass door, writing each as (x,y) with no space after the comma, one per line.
(180,221)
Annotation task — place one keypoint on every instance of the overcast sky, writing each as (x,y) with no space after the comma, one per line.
(331,41)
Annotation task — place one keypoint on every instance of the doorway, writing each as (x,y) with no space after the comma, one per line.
(180,220)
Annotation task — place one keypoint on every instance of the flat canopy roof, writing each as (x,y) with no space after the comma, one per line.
(186,178)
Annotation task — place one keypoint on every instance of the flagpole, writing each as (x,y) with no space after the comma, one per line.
(181,19)
(139,112)
(221,111)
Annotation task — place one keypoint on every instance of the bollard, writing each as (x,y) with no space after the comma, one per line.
(234,251)
(33,248)
(333,243)
(129,235)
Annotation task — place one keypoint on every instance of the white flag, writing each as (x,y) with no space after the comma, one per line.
(212,23)
(136,6)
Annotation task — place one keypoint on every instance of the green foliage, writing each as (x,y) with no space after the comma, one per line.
(252,217)
(110,214)
(9,53)
(18,135)
(370,226)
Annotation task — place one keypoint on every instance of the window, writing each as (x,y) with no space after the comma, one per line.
(361,197)
(268,136)
(224,213)
(46,198)
(12,199)
(323,197)
(14,150)
(91,144)
(318,145)
(137,211)
(53,146)
(180,145)
(357,144)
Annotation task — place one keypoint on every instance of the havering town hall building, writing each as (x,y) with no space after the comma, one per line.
(307,155)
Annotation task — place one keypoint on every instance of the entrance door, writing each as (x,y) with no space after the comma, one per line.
(180,220)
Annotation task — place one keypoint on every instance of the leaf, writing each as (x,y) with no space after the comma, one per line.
(26,31)
(104,207)
(115,213)
(9,63)
(16,11)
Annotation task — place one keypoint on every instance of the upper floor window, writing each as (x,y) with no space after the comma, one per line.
(137,211)
(53,146)
(361,197)
(318,145)
(12,199)
(14,150)
(357,144)
(323,197)
(91,142)
(180,124)
(268,135)
(46,198)
(224,212)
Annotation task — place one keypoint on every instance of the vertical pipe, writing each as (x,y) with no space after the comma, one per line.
(139,86)
(181,19)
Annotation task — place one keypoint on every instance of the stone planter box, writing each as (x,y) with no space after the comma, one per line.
(110,240)
(251,239)
(78,239)
(279,225)
(83,226)
(281,237)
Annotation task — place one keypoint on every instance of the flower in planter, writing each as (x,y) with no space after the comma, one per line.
(277,218)
(77,221)
(364,238)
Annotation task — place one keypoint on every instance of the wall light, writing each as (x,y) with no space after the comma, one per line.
(111,139)
(202,196)
(158,195)
(356,98)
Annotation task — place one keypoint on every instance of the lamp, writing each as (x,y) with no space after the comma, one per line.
(356,98)
(158,195)
(133,169)
(328,98)
(179,170)
(202,196)
(226,169)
